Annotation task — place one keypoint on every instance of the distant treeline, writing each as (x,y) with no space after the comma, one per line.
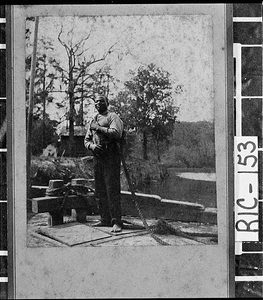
(192,145)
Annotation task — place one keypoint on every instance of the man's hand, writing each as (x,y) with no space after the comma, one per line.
(97,149)
(94,125)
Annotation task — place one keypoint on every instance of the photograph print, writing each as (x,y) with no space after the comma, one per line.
(120,131)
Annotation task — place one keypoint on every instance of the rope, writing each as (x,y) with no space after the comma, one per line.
(162,227)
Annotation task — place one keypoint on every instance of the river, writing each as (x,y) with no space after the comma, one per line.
(186,186)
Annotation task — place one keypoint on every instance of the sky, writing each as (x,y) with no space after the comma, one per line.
(181,45)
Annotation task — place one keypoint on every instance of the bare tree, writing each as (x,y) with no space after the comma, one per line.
(76,74)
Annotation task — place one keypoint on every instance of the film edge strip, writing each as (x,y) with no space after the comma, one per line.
(3,253)
(237,48)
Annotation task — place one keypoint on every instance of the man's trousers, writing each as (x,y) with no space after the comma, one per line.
(107,184)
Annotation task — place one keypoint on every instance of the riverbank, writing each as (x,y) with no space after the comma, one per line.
(183,184)
(45,168)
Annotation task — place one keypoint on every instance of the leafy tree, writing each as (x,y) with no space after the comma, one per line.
(146,105)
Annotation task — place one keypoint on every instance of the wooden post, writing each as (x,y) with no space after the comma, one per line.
(30,107)
(55,218)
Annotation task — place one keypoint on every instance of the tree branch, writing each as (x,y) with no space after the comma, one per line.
(82,41)
(61,42)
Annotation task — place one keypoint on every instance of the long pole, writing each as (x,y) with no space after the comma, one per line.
(30,106)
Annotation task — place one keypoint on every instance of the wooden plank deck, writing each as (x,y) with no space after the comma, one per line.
(74,234)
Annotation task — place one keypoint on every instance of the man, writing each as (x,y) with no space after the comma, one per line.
(102,137)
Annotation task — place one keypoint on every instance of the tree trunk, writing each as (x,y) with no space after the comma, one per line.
(81,111)
(158,150)
(145,146)
(71,145)
(44,110)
